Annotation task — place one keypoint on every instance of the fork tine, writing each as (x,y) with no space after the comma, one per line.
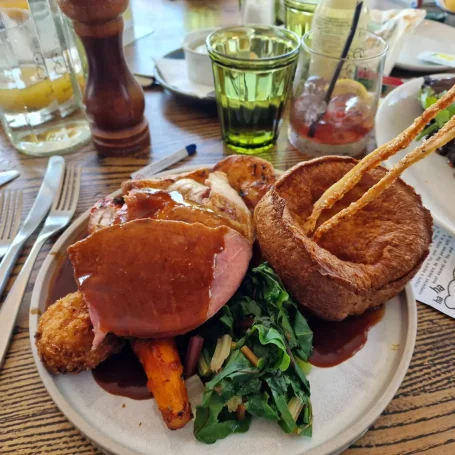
(59,202)
(68,183)
(3,213)
(70,187)
(76,189)
(9,214)
(16,214)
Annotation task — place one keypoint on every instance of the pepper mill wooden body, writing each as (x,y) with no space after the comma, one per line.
(113,99)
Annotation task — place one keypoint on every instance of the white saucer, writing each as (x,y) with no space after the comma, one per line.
(182,85)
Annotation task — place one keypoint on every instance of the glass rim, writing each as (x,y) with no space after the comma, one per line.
(25,18)
(346,59)
(291,35)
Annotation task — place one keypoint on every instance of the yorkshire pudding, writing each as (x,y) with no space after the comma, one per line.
(360,263)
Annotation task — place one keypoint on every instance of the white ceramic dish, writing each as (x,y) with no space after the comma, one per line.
(428,36)
(183,86)
(347,399)
(432,177)
(198,63)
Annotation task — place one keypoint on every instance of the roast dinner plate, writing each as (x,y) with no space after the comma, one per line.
(347,399)
(432,177)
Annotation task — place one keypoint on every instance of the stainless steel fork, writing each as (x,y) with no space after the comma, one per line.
(60,215)
(10,217)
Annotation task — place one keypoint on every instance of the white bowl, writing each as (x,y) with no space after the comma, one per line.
(197,58)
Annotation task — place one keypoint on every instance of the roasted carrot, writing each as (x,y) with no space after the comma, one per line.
(161,362)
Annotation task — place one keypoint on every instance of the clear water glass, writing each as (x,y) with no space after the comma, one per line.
(41,80)
(339,123)
(253,66)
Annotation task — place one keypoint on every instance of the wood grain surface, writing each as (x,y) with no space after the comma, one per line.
(421,417)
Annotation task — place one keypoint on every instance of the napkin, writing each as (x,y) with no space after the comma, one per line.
(394,26)
(175,74)
(434,284)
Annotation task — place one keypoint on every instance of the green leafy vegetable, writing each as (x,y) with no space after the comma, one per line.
(427,98)
(262,317)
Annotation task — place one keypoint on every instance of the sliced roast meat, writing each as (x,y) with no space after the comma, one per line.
(198,175)
(154,278)
(171,205)
(223,199)
(190,189)
(103,213)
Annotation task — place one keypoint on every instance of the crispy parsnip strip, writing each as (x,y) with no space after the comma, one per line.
(444,135)
(340,188)
(161,362)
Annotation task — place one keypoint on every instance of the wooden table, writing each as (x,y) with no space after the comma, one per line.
(421,417)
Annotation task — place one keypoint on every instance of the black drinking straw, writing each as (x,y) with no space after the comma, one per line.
(336,74)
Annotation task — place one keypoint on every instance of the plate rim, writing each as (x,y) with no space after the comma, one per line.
(175,90)
(109,446)
(429,67)
(379,140)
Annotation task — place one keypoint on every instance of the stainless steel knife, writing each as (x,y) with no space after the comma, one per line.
(51,183)
(7,176)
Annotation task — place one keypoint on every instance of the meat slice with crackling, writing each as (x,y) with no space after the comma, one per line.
(224,200)
(183,200)
(102,214)
(171,205)
(153,278)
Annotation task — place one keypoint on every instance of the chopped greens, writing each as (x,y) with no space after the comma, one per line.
(264,323)
(428,97)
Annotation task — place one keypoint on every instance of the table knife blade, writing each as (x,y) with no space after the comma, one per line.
(7,176)
(41,206)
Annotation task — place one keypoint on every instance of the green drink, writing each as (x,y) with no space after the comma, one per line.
(299,15)
(253,67)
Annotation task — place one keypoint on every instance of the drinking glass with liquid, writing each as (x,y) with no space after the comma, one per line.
(253,67)
(41,80)
(335,116)
(299,15)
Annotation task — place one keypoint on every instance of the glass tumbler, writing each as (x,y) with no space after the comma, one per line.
(41,77)
(299,15)
(332,115)
(253,66)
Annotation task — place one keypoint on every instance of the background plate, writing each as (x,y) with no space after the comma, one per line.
(178,54)
(347,399)
(428,36)
(432,177)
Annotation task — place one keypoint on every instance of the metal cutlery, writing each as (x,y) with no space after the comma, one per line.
(39,210)
(62,211)
(10,217)
(7,176)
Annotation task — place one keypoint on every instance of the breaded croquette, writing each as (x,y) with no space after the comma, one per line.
(65,336)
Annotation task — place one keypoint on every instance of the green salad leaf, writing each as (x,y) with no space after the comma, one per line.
(427,98)
(263,319)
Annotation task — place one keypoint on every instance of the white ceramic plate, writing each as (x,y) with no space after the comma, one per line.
(428,36)
(178,54)
(347,399)
(432,177)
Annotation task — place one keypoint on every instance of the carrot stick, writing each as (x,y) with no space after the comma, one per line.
(161,362)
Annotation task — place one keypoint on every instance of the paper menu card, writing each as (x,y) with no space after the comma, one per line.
(434,284)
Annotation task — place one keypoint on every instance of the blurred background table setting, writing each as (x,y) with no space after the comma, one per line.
(149,85)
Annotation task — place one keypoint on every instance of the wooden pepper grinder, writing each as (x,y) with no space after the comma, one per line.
(113,99)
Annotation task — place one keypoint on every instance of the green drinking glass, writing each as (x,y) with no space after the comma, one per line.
(253,66)
(299,15)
